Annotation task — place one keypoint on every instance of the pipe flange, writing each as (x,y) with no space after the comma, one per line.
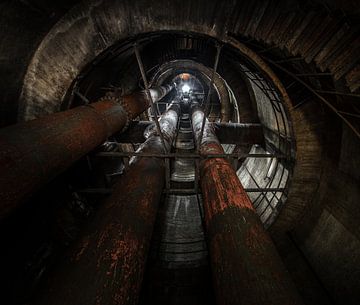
(119,100)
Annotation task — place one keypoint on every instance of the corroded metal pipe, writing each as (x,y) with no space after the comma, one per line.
(107,265)
(245,264)
(34,152)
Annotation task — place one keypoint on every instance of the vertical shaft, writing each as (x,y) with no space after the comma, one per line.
(245,264)
(34,152)
(106,267)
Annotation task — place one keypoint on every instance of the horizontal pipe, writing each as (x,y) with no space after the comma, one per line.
(227,133)
(245,265)
(189,155)
(239,133)
(33,153)
(157,93)
(106,267)
(107,191)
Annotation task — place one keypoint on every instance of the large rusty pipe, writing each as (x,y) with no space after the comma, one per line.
(106,267)
(245,264)
(34,152)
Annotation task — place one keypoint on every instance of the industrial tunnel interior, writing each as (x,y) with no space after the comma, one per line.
(280,111)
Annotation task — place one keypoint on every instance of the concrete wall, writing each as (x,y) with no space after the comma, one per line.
(329,233)
(23,25)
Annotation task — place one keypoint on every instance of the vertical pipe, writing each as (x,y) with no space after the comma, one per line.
(106,267)
(34,152)
(217,57)
(148,93)
(247,269)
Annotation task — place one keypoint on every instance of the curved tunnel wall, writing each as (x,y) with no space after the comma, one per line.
(94,27)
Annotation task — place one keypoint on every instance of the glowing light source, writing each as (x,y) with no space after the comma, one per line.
(185,88)
(185,76)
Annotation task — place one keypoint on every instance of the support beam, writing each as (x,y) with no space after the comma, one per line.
(107,266)
(239,133)
(34,152)
(227,133)
(245,264)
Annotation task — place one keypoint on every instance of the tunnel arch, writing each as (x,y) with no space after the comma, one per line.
(206,73)
(89,29)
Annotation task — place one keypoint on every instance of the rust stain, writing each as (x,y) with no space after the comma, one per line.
(34,152)
(222,187)
(241,252)
(84,246)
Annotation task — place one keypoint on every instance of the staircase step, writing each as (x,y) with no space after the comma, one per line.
(245,16)
(332,45)
(321,34)
(183,170)
(256,17)
(267,22)
(288,28)
(346,59)
(292,41)
(305,35)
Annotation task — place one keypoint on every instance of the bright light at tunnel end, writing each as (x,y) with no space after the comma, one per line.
(185,88)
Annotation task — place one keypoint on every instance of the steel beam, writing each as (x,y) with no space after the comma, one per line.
(245,264)
(34,152)
(106,267)
(189,155)
(227,133)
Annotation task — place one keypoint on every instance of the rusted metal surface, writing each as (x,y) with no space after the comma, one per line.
(245,264)
(34,152)
(227,133)
(107,265)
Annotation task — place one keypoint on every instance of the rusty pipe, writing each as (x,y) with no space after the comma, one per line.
(33,153)
(106,267)
(245,264)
